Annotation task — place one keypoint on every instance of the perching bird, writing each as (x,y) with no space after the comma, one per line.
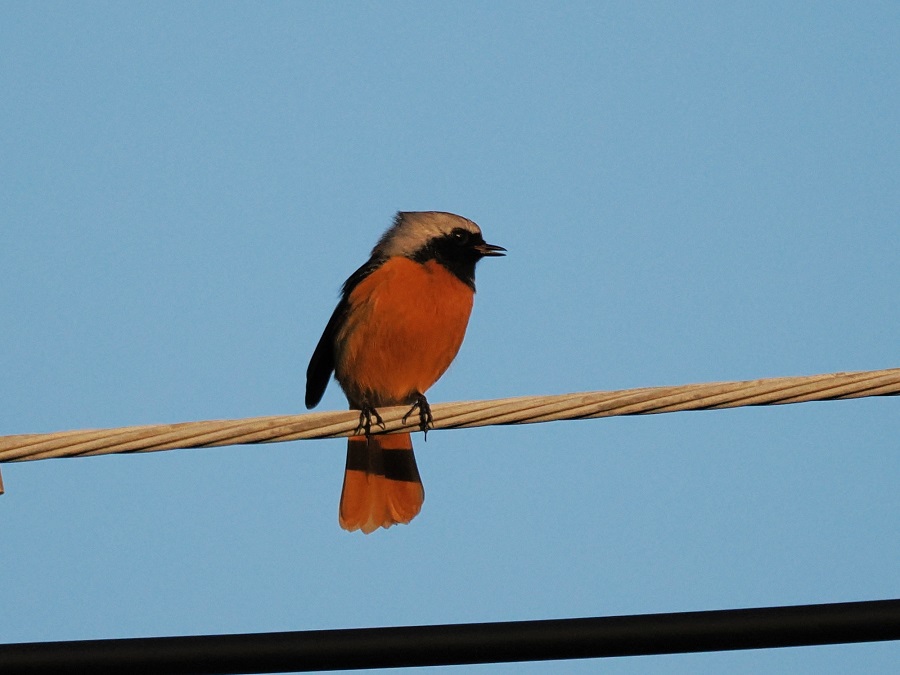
(399,323)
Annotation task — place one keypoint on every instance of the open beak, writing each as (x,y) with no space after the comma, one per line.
(489,250)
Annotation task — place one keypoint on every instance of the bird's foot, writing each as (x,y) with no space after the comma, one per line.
(426,420)
(366,416)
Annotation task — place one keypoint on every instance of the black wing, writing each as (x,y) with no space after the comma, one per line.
(321,365)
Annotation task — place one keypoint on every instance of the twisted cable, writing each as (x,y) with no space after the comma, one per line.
(520,410)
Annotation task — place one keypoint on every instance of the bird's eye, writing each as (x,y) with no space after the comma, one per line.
(460,236)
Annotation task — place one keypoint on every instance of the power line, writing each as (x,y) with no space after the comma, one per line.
(453,644)
(521,410)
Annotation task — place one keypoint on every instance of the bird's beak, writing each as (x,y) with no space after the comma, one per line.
(489,250)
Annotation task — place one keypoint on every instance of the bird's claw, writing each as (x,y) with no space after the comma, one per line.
(426,420)
(366,415)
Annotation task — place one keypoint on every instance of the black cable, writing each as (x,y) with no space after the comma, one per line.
(465,643)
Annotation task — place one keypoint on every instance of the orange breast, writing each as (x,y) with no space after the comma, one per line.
(405,325)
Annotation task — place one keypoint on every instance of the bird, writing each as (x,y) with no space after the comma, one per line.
(398,325)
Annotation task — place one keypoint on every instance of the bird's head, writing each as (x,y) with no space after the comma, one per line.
(451,240)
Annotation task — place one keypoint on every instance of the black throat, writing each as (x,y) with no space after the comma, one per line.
(460,259)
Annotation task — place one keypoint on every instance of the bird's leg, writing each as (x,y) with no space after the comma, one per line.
(366,415)
(426,420)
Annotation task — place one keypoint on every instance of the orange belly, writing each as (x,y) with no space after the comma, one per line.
(405,325)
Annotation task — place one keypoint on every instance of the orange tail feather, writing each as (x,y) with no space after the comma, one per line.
(381,483)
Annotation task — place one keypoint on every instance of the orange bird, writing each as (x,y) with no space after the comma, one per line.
(399,323)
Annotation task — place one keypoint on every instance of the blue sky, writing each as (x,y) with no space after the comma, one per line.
(689,192)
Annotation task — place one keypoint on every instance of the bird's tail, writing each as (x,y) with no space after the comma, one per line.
(381,483)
